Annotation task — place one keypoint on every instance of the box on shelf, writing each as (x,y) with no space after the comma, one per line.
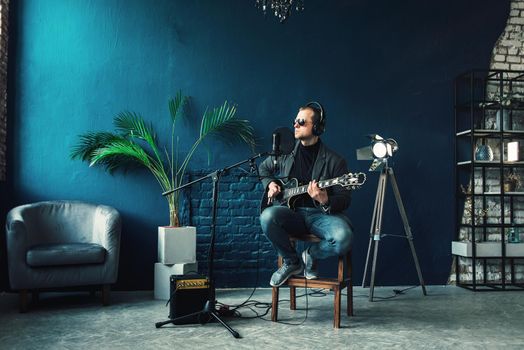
(487,249)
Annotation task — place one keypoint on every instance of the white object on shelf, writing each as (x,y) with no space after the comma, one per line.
(487,249)
(513,151)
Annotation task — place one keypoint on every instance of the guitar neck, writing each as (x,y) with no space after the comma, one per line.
(295,191)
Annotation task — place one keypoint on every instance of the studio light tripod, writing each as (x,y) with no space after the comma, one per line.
(375,233)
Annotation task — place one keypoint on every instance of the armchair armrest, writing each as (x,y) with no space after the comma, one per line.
(16,233)
(107,227)
(17,242)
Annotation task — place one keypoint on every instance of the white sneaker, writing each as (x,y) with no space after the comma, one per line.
(310,265)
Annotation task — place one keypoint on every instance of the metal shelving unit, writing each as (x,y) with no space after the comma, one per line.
(489,108)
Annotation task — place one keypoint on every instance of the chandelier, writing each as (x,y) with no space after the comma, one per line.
(280,8)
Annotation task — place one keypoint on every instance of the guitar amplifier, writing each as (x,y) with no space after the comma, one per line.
(189,294)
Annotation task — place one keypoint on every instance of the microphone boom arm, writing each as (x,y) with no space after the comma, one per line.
(210,175)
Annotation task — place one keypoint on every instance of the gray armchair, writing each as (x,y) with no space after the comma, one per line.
(59,244)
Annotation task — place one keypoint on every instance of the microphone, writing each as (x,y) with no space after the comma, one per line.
(276,147)
(283,143)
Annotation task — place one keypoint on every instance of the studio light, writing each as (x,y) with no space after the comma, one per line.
(379,151)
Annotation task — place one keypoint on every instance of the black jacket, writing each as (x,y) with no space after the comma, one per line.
(328,165)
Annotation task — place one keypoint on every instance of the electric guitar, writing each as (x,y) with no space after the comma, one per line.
(291,189)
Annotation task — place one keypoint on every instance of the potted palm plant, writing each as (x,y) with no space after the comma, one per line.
(135,143)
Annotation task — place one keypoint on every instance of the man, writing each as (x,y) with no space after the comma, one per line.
(319,211)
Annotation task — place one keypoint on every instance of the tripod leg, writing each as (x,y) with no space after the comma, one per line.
(231,330)
(373,269)
(407,229)
(367,262)
(181,318)
(372,230)
(379,206)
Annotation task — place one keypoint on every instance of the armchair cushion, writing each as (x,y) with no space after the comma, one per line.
(65,254)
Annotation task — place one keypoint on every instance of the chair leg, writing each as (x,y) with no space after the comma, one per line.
(105,294)
(292,298)
(349,276)
(274,304)
(23,301)
(336,320)
(350,297)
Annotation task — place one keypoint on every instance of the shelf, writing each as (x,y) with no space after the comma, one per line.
(498,194)
(490,132)
(487,225)
(493,163)
(487,249)
(491,194)
(492,286)
(490,105)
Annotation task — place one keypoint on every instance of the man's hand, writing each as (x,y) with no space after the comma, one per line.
(272,191)
(318,194)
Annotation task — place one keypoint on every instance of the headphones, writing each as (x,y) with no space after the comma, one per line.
(320,124)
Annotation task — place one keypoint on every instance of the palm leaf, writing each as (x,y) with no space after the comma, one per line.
(89,143)
(234,131)
(124,149)
(131,124)
(221,123)
(123,152)
(176,106)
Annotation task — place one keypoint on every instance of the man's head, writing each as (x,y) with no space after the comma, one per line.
(304,124)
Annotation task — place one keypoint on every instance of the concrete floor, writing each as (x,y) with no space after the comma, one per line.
(448,317)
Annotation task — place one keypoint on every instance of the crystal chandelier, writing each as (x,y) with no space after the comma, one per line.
(280,8)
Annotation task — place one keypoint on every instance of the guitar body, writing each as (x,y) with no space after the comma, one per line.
(280,200)
(291,189)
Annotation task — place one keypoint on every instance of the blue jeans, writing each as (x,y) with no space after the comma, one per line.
(334,230)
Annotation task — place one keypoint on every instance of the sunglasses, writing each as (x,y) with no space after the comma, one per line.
(299,121)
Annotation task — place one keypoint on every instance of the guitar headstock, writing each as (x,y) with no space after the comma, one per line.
(352,180)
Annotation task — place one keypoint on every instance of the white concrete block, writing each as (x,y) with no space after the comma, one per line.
(176,245)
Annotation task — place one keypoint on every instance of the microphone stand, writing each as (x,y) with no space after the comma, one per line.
(209,310)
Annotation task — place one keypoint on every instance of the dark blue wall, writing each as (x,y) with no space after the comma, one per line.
(378,67)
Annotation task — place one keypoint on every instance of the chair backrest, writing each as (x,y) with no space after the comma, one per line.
(58,221)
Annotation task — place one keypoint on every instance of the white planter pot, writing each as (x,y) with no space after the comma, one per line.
(176,245)
(163,274)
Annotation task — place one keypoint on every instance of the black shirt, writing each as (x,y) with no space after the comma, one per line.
(302,170)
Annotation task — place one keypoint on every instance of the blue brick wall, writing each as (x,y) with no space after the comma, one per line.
(241,249)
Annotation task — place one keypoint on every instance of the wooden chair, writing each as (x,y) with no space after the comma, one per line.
(334,284)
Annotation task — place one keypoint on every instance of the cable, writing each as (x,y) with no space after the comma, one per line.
(233,309)
(253,305)
(396,292)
